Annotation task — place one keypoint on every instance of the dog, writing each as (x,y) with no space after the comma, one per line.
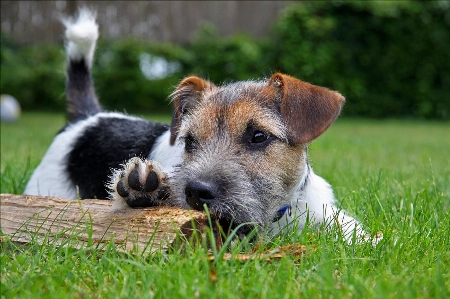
(239,149)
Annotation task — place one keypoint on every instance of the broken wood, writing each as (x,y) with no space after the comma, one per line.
(294,251)
(83,223)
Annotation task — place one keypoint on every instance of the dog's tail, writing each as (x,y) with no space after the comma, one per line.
(81,35)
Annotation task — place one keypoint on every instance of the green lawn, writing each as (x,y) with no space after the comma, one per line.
(392,175)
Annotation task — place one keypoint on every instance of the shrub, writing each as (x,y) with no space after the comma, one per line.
(388,59)
(234,58)
(34,75)
(138,76)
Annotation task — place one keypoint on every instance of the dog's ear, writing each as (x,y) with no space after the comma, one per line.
(307,110)
(185,97)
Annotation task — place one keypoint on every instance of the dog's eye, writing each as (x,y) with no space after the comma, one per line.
(259,137)
(189,143)
(256,139)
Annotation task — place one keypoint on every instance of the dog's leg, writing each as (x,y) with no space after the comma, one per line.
(139,183)
(320,203)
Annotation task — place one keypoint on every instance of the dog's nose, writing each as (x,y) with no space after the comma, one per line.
(199,193)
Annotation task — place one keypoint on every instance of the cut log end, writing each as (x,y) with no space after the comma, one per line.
(81,223)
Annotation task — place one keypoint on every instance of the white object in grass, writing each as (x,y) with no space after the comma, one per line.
(10,108)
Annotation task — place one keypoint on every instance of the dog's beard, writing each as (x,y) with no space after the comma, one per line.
(238,220)
(244,208)
(249,196)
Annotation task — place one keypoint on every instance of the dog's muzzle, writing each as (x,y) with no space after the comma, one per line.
(199,193)
(204,192)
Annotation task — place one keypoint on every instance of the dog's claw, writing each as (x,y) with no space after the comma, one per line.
(139,184)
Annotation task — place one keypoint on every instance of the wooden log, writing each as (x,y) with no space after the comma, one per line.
(84,223)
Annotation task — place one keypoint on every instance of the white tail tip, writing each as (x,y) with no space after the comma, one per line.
(82,34)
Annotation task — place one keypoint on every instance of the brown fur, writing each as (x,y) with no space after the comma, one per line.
(307,110)
(188,93)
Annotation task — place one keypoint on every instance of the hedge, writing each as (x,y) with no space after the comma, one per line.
(390,59)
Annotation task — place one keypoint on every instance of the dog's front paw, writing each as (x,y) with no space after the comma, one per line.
(140,183)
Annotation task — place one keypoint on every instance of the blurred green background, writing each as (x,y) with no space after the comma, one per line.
(390,60)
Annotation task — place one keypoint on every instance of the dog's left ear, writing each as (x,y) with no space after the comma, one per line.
(187,95)
(307,110)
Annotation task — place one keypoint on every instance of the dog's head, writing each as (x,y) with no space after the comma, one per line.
(245,143)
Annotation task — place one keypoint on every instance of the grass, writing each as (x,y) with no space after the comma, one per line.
(392,175)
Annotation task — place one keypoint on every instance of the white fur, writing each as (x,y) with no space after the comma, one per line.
(165,154)
(82,34)
(50,178)
(316,203)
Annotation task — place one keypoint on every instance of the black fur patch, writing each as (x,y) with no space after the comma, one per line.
(81,99)
(106,145)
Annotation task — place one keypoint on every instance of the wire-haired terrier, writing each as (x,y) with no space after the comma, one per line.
(240,149)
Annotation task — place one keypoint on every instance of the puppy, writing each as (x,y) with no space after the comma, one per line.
(239,149)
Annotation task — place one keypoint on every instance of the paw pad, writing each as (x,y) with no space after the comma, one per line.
(138,183)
